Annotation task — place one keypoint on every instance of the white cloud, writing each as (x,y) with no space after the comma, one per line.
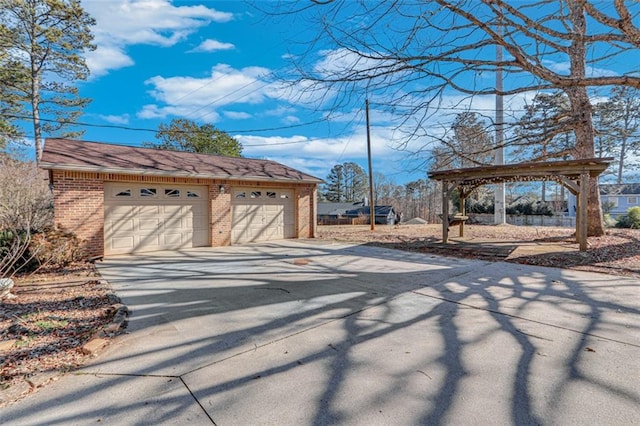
(107,58)
(236,115)
(291,119)
(317,156)
(115,119)
(198,98)
(564,68)
(121,23)
(212,46)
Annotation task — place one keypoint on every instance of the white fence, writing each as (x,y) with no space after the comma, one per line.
(526,220)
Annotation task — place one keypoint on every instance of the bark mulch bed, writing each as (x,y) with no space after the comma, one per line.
(616,253)
(43,329)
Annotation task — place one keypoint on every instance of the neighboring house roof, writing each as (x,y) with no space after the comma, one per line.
(67,154)
(620,189)
(335,209)
(378,211)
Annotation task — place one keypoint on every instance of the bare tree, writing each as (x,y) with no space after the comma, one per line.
(411,57)
(25,207)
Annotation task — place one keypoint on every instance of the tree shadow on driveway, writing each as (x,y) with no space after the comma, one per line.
(359,335)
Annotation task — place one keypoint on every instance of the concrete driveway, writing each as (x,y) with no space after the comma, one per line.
(315,333)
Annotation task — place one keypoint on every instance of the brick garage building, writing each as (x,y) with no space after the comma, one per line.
(120,199)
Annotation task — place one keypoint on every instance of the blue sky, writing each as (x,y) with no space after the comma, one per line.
(212,61)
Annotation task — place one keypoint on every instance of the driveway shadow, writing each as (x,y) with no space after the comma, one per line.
(343,331)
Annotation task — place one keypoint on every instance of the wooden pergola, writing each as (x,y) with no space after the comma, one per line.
(572,174)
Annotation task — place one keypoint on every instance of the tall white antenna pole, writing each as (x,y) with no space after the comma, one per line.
(499,200)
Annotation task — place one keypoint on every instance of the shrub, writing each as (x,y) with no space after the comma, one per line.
(530,208)
(56,248)
(609,221)
(631,219)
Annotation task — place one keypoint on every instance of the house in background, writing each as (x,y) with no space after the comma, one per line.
(618,198)
(384,215)
(354,213)
(333,213)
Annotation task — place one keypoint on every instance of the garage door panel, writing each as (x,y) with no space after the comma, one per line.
(174,239)
(148,225)
(179,223)
(122,225)
(120,243)
(167,219)
(120,211)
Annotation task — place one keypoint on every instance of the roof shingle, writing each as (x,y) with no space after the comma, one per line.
(67,154)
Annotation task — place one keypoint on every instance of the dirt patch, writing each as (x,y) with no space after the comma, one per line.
(45,326)
(617,252)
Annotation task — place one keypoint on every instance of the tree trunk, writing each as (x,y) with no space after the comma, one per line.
(623,152)
(582,114)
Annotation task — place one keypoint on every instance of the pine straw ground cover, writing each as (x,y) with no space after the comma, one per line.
(617,252)
(52,316)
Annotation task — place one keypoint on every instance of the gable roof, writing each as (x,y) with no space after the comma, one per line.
(67,154)
(620,189)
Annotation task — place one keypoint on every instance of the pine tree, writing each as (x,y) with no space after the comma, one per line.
(47,38)
(346,183)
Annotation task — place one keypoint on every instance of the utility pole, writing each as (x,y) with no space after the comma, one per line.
(499,199)
(372,204)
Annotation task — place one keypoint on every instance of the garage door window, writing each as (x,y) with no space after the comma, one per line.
(148,192)
(172,193)
(125,193)
(284,196)
(241,195)
(192,194)
(271,194)
(256,194)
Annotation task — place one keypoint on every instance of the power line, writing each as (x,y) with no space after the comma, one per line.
(143,129)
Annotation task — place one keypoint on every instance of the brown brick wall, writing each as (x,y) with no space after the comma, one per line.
(79,204)
(79,207)
(220,214)
(305,211)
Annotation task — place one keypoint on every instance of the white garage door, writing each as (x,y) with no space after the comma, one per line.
(149,217)
(261,214)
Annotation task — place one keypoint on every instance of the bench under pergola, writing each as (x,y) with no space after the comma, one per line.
(572,174)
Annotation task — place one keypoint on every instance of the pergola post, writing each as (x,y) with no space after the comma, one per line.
(462,209)
(583,199)
(445,211)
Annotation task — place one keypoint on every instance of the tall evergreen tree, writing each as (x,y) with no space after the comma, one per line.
(47,38)
(10,107)
(346,183)
(618,128)
(469,144)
